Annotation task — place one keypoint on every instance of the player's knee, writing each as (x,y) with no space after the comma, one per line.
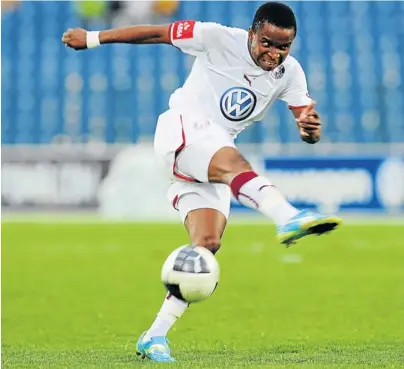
(209,241)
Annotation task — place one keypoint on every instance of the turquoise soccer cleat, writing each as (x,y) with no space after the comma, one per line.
(156,349)
(304,223)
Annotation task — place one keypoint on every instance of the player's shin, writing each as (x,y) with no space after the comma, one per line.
(257,192)
(171,310)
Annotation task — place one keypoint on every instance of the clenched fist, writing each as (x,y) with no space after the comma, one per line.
(75,38)
(309,124)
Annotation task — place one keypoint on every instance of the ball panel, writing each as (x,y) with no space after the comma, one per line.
(174,290)
(210,259)
(190,261)
(191,273)
(169,263)
(193,287)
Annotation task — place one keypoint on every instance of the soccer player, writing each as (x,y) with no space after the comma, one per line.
(235,77)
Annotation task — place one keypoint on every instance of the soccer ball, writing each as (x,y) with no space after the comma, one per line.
(191,273)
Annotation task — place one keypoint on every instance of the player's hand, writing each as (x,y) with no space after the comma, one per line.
(75,38)
(309,124)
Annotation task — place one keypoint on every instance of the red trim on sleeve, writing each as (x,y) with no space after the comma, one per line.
(297,107)
(169,32)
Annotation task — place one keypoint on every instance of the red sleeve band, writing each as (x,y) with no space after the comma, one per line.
(181,30)
(297,107)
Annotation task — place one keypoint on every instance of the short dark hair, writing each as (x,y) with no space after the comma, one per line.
(275,13)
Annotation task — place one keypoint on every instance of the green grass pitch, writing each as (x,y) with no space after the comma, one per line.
(78,296)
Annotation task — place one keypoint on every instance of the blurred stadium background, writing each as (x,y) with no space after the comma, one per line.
(77,133)
(67,115)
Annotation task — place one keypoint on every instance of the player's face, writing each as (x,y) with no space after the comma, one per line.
(270,45)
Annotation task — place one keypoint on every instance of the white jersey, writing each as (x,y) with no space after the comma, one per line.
(225,85)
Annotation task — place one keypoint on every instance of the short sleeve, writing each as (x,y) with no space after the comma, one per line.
(296,94)
(194,37)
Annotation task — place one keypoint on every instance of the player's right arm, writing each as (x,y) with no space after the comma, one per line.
(189,36)
(80,39)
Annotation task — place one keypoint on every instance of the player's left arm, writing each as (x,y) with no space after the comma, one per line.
(308,122)
(302,106)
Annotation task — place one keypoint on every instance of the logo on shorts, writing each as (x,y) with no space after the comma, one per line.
(237,103)
(200,125)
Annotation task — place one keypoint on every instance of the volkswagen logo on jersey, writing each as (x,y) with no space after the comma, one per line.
(237,103)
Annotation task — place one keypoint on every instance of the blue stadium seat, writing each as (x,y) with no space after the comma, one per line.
(353,54)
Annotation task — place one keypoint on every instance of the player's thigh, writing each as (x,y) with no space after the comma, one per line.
(185,144)
(194,161)
(227,163)
(204,208)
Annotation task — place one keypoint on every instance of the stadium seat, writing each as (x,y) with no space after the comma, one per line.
(352,52)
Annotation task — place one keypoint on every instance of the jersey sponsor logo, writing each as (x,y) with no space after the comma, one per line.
(237,103)
(183,30)
(278,72)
